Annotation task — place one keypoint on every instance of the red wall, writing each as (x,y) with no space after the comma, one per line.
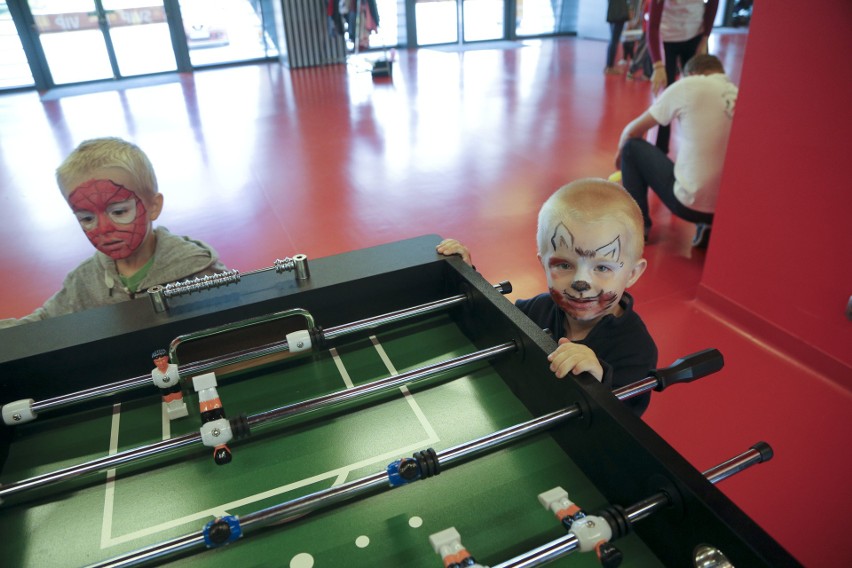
(781,260)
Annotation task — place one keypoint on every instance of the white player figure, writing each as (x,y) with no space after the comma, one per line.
(447,544)
(216,430)
(593,532)
(167,379)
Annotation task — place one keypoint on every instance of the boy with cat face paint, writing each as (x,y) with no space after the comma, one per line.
(590,243)
(111,188)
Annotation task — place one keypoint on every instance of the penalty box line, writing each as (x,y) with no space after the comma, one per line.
(339,474)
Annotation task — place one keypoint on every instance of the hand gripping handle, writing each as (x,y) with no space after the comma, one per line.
(689,368)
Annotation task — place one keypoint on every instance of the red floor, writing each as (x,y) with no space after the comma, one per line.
(264,162)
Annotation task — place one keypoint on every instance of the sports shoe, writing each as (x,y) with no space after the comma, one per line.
(702,235)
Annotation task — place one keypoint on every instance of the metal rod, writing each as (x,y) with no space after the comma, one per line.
(466,450)
(296,508)
(98,465)
(360,391)
(635,389)
(758,453)
(545,553)
(565,545)
(207,365)
(392,317)
(382,385)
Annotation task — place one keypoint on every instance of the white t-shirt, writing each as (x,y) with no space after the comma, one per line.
(681,19)
(704,107)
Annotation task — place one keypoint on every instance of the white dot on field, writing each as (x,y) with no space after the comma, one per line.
(415,522)
(302,560)
(362,541)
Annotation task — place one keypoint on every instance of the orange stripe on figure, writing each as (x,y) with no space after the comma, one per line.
(212,404)
(173,396)
(456,558)
(567,512)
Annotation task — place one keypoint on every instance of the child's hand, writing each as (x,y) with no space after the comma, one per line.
(449,247)
(574,358)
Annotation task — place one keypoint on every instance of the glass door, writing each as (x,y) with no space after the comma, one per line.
(483,20)
(87,40)
(437,21)
(139,34)
(445,21)
(14,69)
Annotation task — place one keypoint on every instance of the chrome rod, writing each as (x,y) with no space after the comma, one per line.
(567,544)
(635,389)
(143,452)
(154,552)
(207,365)
(195,368)
(545,553)
(758,453)
(392,317)
(360,391)
(90,394)
(294,509)
(482,445)
(98,465)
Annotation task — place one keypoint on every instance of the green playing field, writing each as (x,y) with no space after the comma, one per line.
(491,500)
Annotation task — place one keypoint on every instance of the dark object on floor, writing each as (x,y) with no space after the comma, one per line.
(382,68)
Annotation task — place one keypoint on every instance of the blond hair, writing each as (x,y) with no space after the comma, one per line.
(591,200)
(99,153)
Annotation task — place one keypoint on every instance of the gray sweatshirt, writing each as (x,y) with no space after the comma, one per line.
(95,282)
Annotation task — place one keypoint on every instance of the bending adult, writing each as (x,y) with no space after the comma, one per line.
(703,104)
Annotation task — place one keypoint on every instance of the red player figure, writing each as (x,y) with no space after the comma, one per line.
(215,428)
(167,379)
(447,544)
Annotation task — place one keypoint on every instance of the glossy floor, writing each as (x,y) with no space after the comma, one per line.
(264,162)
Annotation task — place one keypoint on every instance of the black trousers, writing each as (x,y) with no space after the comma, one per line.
(677,54)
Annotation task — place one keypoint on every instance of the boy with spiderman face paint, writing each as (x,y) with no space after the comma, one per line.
(112,190)
(590,244)
(115,219)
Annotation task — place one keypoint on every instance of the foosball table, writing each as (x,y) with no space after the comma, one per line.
(381,407)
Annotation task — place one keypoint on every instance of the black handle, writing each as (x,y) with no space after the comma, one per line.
(504,287)
(689,368)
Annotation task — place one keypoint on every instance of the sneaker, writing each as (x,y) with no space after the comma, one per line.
(702,235)
(612,71)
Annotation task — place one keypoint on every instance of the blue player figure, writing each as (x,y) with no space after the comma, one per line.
(166,377)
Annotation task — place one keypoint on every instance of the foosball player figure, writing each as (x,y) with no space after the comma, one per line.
(447,544)
(167,379)
(215,428)
(592,532)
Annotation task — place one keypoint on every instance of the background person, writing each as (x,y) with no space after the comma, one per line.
(703,104)
(683,27)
